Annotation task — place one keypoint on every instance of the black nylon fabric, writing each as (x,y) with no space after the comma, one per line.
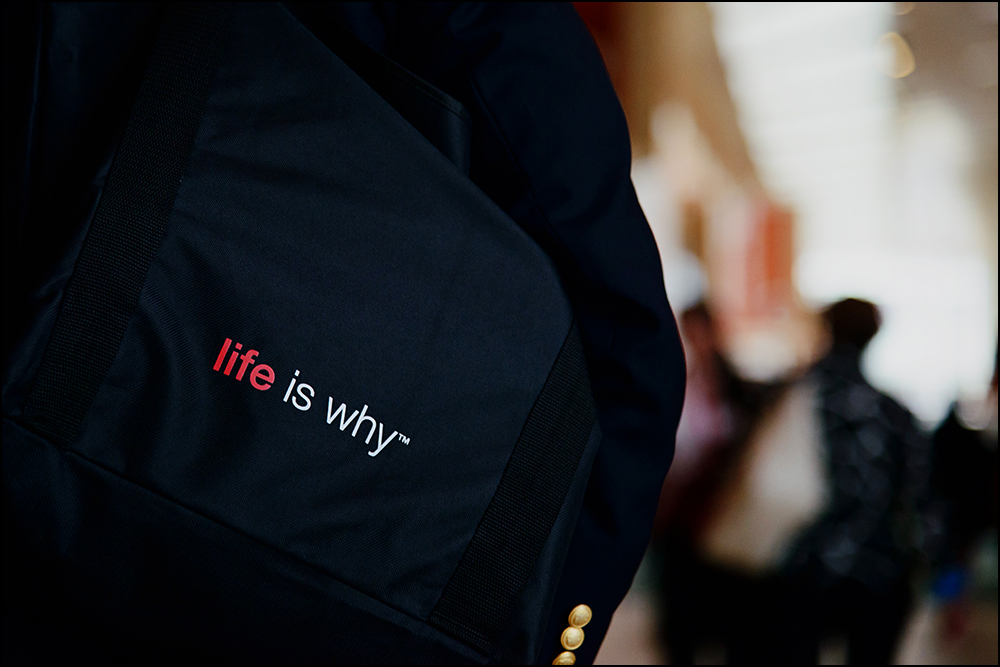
(318,227)
(130,221)
(439,117)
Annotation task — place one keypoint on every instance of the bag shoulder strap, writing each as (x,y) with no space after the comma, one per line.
(130,220)
(496,566)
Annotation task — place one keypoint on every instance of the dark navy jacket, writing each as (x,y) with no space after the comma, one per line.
(549,145)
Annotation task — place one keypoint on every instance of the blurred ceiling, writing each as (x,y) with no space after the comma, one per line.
(955,49)
(658,52)
(816,110)
(875,124)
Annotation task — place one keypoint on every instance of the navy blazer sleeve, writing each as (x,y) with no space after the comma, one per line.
(551,147)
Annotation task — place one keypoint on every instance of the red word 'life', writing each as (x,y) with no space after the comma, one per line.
(262,375)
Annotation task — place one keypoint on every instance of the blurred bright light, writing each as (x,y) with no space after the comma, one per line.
(897,58)
(815,108)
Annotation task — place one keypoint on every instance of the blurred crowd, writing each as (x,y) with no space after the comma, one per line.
(788,156)
(814,505)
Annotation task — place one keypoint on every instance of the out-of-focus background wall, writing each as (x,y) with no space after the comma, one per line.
(787,156)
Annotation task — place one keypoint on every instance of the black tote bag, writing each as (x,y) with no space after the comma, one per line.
(307,393)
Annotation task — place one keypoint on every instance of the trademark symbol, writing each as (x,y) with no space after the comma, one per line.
(404,439)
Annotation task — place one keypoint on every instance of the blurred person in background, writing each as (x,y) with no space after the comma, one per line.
(850,571)
(700,602)
(964,487)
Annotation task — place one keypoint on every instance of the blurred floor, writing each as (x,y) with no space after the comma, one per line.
(631,640)
(925,643)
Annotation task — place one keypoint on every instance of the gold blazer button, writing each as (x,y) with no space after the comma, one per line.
(580,616)
(565,658)
(572,638)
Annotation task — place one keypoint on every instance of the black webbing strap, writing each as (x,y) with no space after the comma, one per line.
(495,568)
(130,220)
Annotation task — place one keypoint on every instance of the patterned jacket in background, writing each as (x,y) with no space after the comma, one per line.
(877,462)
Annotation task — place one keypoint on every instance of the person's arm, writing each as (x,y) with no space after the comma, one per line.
(550,145)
